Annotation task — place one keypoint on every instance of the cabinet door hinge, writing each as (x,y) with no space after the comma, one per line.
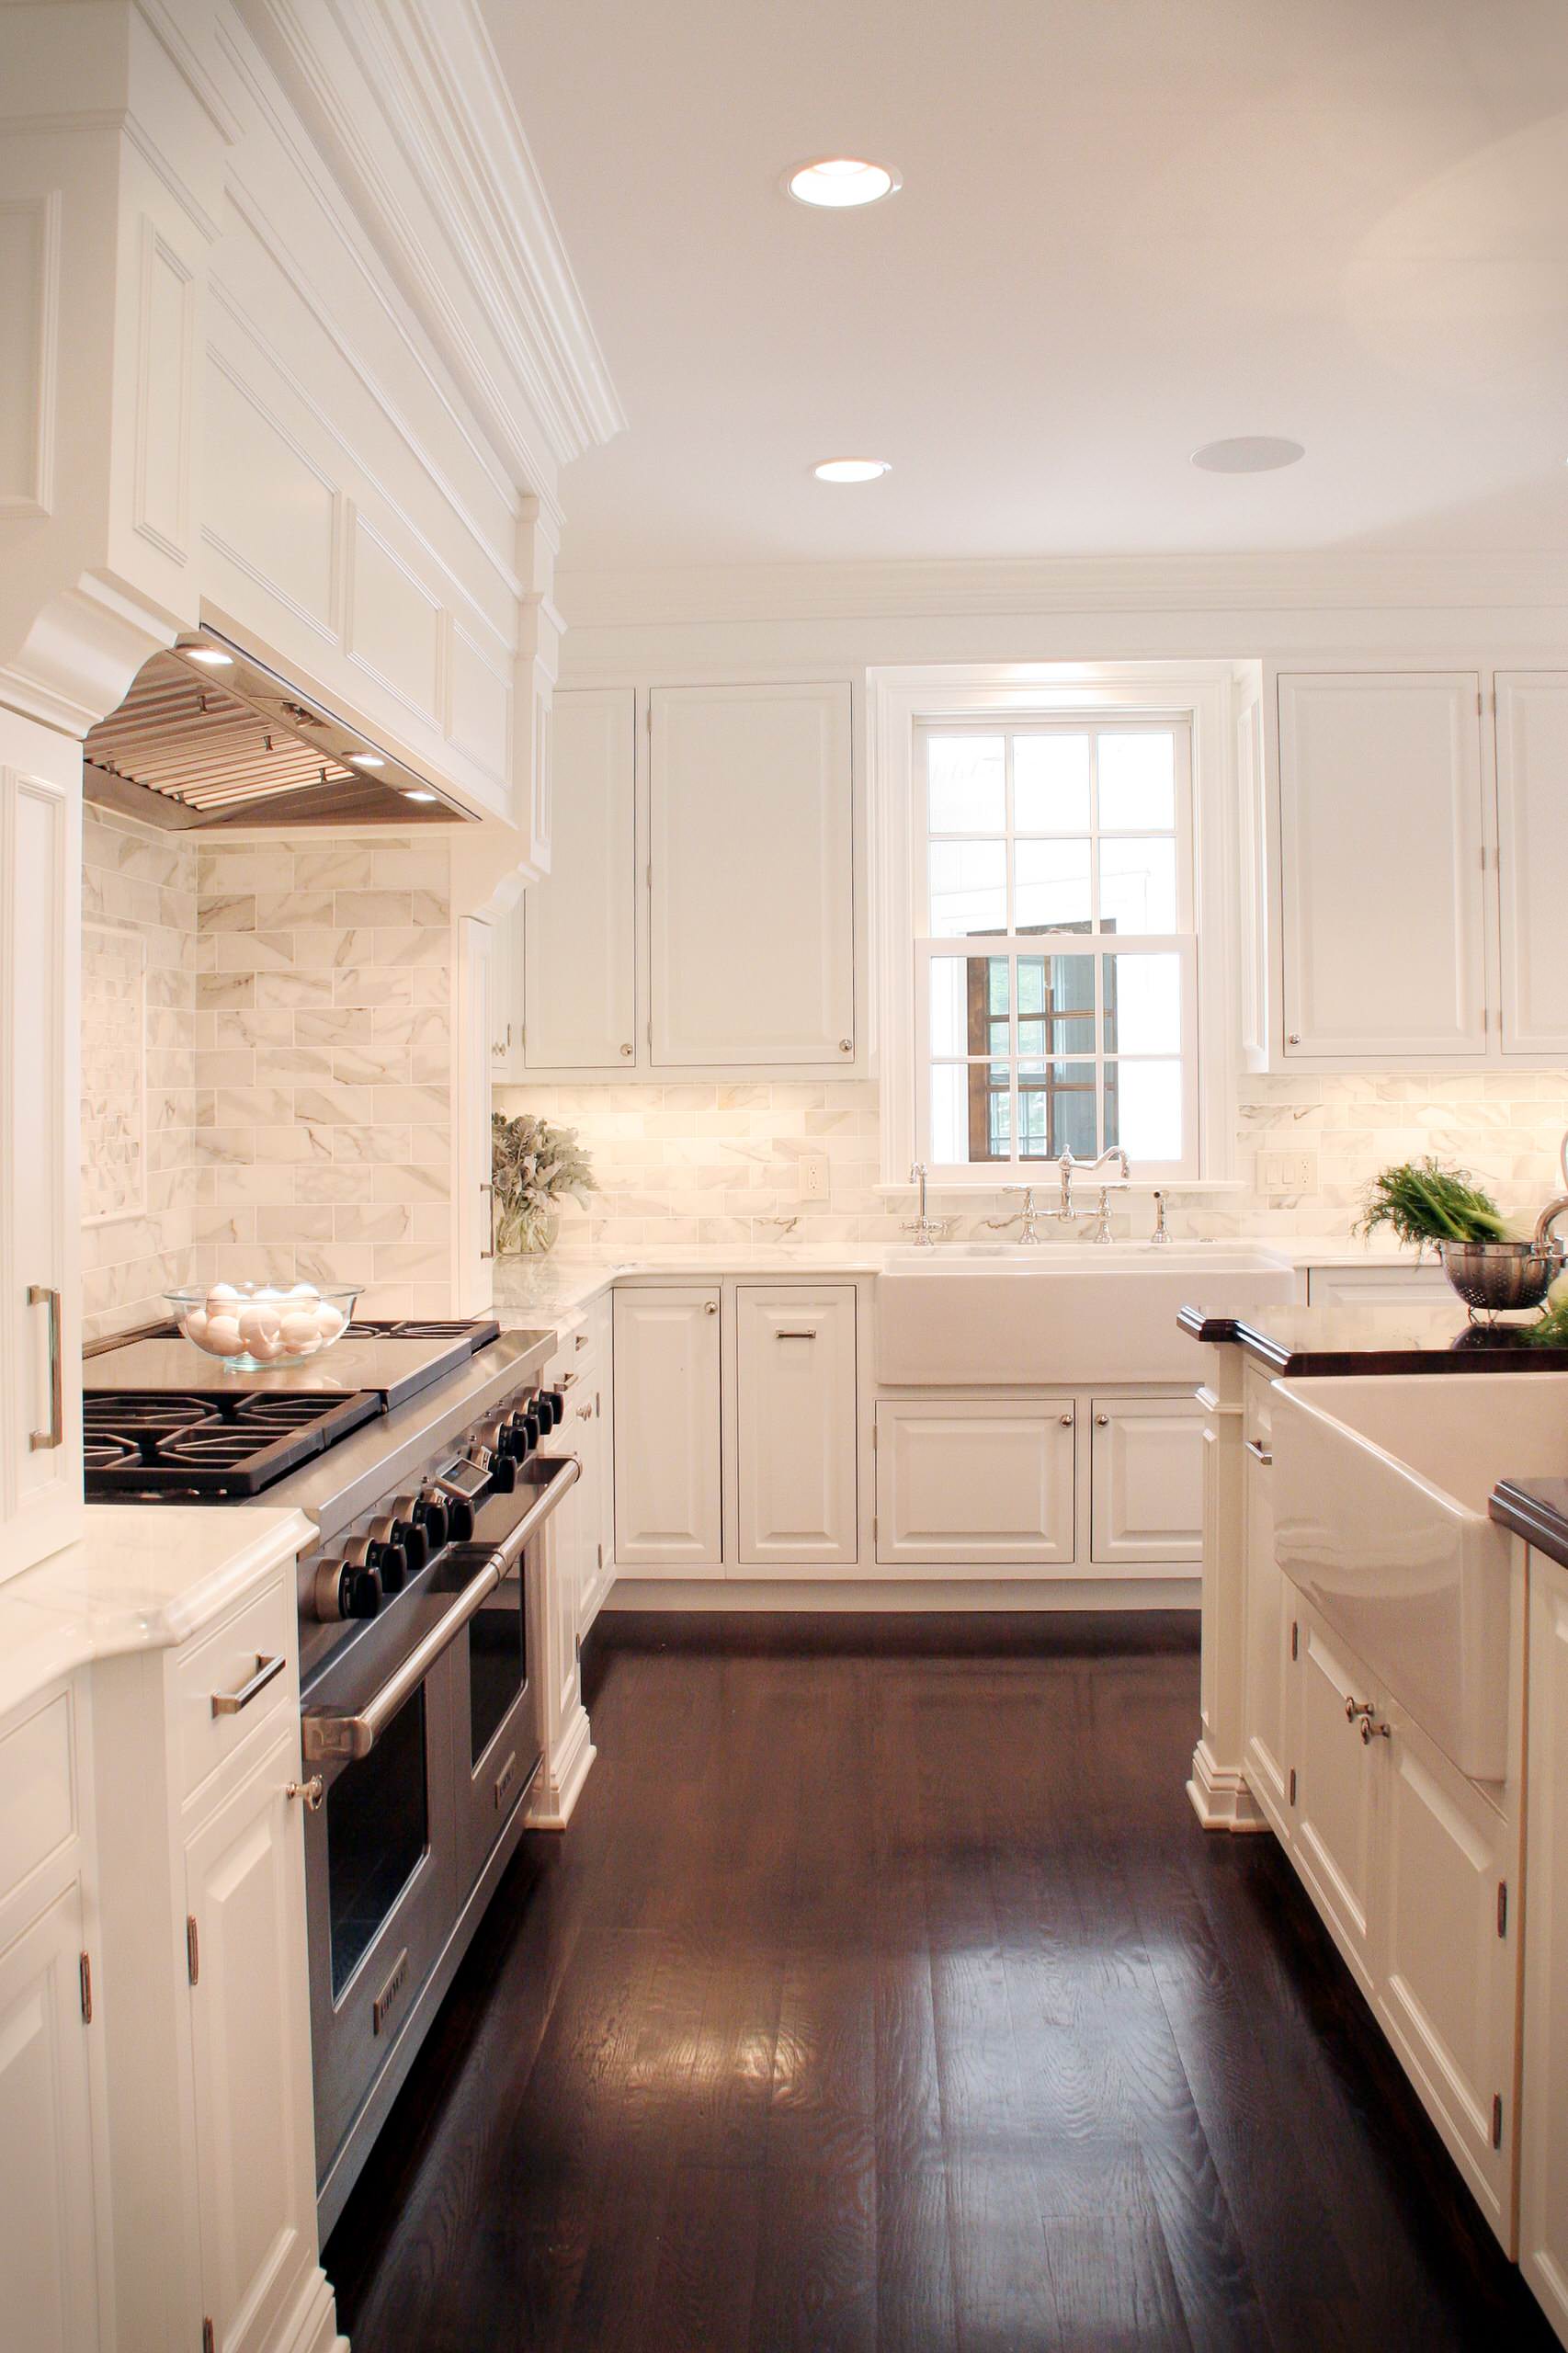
(1496,2120)
(192,1949)
(601,1556)
(209,2337)
(1292,1785)
(1502,1907)
(1295,1639)
(85,1973)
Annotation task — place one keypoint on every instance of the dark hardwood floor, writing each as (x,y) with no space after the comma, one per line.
(884,1993)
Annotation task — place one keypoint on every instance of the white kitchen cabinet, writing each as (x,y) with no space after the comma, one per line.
(752,888)
(1532,821)
(1271,1634)
(1382,838)
(1447,1968)
(1337,1790)
(984,1484)
(1394,1285)
(244,1889)
(668,1511)
(475,1037)
(797,1412)
(49,2280)
(1543,2170)
(506,998)
(574,1001)
(1146,1480)
(40,900)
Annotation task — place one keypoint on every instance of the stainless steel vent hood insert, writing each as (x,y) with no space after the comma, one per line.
(208,736)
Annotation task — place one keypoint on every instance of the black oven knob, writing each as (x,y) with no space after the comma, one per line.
(346,1589)
(408,1530)
(504,1474)
(432,1514)
(533,1421)
(391,1565)
(398,1550)
(556,1402)
(460,1520)
(364,1592)
(516,1440)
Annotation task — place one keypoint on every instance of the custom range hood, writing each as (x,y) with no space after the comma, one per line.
(208,736)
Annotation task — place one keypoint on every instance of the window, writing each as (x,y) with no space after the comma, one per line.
(1055,974)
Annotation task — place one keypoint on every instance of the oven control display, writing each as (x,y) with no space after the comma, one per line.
(466,1477)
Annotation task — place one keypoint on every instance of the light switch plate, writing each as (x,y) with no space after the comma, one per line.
(812,1178)
(1286,1172)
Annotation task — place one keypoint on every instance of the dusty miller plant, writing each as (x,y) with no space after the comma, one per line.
(533,1167)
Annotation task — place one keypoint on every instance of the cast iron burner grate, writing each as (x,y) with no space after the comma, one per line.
(414,1327)
(208,1443)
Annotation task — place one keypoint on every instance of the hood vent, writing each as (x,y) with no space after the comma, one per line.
(206,736)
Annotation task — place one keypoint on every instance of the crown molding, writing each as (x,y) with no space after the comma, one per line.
(459,149)
(946,588)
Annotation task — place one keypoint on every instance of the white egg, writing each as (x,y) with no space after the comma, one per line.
(221,1337)
(196,1325)
(328,1319)
(304,1290)
(299,1331)
(257,1322)
(264,1346)
(222,1290)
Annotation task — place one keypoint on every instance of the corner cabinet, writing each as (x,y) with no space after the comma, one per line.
(701,912)
(40,1345)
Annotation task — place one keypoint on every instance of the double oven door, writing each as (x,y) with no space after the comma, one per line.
(424,1728)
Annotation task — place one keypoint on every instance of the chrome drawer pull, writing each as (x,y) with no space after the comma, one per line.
(795,1335)
(41,1441)
(1256,1448)
(229,1703)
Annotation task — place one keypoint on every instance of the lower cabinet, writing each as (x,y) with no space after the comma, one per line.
(250,2034)
(1146,1480)
(668,1500)
(1543,2185)
(1266,1660)
(1415,1870)
(796,1413)
(976,1482)
(47,2225)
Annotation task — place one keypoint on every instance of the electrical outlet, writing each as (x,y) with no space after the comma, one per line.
(1286,1172)
(812,1181)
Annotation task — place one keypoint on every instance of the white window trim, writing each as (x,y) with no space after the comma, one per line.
(1206,696)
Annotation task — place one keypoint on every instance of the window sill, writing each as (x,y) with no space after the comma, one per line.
(969,1189)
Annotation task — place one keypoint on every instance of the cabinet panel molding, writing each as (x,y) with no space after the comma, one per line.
(30,383)
(1533,823)
(667,1481)
(796,1411)
(976,1480)
(1146,1470)
(578,925)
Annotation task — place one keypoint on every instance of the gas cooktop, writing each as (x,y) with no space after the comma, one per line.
(394,1361)
(206,1443)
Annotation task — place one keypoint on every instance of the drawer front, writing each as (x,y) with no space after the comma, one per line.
(38,1787)
(232,1666)
(1376,1286)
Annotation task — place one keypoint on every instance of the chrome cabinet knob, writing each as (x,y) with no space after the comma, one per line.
(710,1307)
(309,1793)
(1102,1421)
(626,1053)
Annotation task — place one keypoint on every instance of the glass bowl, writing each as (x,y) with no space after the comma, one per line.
(258,1327)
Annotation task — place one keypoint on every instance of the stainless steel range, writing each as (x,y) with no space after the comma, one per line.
(412,1448)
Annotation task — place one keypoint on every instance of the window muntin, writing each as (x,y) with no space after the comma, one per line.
(1055,959)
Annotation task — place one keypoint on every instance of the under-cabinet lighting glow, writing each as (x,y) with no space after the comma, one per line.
(836,182)
(365,760)
(418,796)
(209,655)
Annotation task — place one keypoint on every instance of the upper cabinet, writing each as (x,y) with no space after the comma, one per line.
(1416,863)
(700,910)
(1381,833)
(579,929)
(1532,830)
(751,843)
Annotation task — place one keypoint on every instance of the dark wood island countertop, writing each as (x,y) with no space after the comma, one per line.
(1427,1336)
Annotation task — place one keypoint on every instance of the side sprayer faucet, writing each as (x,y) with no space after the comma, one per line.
(925,1230)
(1159,1235)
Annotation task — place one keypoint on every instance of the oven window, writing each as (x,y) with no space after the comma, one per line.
(497,1662)
(377,1830)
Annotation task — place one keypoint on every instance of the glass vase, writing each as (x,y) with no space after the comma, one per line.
(525,1229)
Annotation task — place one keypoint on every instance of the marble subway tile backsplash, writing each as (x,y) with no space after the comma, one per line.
(711,1162)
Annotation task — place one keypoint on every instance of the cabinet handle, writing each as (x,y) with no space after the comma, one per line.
(626,1053)
(40,1441)
(584,1412)
(1354,1707)
(710,1307)
(1066,1420)
(795,1335)
(1372,1728)
(1256,1448)
(491,1252)
(1102,1421)
(565,1379)
(1294,1038)
(846,1045)
(311,1792)
(229,1703)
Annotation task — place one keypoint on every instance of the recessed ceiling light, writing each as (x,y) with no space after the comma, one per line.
(365,760)
(418,796)
(1247,453)
(851,469)
(836,182)
(207,654)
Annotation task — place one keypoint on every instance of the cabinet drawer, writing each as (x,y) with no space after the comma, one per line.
(1389,1286)
(229,1666)
(37,1787)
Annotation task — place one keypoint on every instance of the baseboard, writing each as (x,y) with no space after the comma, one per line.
(312,2326)
(560,1785)
(904,1595)
(1221,1797)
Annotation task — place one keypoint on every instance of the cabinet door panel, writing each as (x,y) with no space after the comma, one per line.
(41,856)
(976,1482)
(796,1406)
(752,904)
(1543,2171)
(1532,815)
(475,1039)
(1268,1608)
(1446,1995)
(1337,1791)
(48,2258)
(667,1516)
(1384,931)
(579,992)
(1394,1285)
(250,2044)
(1147,1499)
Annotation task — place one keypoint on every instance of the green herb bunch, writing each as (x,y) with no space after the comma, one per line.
(1423,1202)
(532,1165)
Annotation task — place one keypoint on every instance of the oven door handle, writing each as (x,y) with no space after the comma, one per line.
(326,1738)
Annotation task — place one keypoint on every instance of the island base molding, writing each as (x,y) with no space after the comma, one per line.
(1221,1798)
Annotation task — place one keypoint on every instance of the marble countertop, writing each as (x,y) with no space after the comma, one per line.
(141,1577)
(1425,1335)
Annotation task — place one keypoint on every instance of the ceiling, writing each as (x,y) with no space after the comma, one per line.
(1126,227)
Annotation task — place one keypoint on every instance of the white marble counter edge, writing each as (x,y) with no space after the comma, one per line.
(139,1578)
